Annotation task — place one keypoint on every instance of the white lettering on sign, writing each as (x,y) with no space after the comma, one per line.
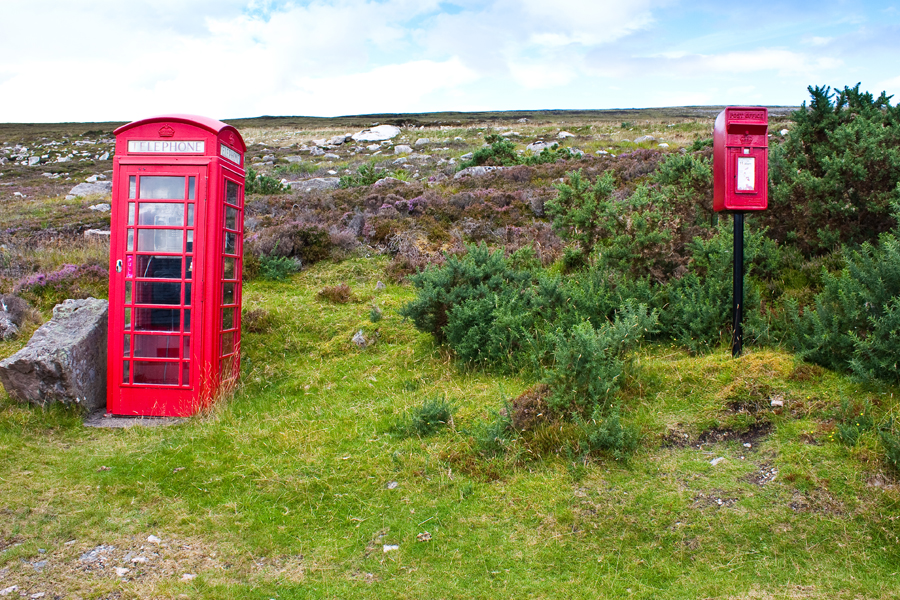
(746,174)
(167,146)
(230,154)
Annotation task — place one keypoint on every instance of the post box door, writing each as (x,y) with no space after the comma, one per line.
(748,169)
(154,312)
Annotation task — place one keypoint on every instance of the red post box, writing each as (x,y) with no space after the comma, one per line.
(175,265)
(740,159)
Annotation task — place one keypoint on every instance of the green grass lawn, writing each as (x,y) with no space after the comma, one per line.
(297,485)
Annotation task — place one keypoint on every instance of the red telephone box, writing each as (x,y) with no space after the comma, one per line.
(175,265)
(740,159)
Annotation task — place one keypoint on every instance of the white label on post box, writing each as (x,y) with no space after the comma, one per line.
(746,174)
(230,154)
(167,146)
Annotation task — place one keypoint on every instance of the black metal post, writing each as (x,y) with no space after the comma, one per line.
(737,340)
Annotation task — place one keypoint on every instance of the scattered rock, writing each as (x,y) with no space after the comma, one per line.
(716,461)
(104,156)
(422,142)
(9,590)
(475,171)
(537,146)
(377,134)
(380,286)
(97,234)
(103,188)
(294,159)
(8,328)
(101,207)
(65,360)
(389,181)
(188,577)
(373,147)
(564,134)
(392,485)
(522,120)
(423,537)
(400,161)
(777,402)
(360,339)
(153,539)
(511,134)
(316,183)
(339,139)
(783,132)
(389,548)
(34,160)
(316,151)
(662,145)
(122,571)
(98,554)
(644,138)
(402,149)
(466,156)
(331,156)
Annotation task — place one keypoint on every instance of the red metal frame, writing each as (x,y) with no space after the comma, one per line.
(740,132)
(174,318)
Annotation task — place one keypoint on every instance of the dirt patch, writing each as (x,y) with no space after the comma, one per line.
(752,435)
(530,408)
(714,499)
(766,474)
(816,501)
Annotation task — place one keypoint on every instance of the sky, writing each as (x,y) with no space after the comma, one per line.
(122,60)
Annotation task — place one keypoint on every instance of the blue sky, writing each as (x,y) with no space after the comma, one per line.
(99,60)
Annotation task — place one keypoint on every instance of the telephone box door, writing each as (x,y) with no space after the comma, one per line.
(154,305)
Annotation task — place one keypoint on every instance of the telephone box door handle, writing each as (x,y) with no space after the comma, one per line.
(119,266)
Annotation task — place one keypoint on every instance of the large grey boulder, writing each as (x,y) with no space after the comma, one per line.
(103,188)
(316,183)
(476,171)
(65,360)
(377,134)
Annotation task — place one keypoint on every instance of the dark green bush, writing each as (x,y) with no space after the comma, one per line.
(607,434)
(365,175)
(854,322)
(262,184)
(433,415)
(853,422)
(502,153)
(493,438)
(890,441)
(278,268)
(835,175)
(588,362)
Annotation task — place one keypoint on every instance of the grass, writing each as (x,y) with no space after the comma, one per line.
(293,487)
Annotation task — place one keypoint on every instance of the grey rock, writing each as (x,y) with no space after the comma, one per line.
(8,328)
(466,156)
(97,234)
(316,183)
(400,161)
(380,285)
(319,142)
(104,156)
(602,152)
(65,360)
(522,120)
(389,181)
(663,145)
(331,156)
(564,134)
(537,146)
(377,134)
(100,207)
(340,139)
(357,224)
(269,157)
(422,142)
(316,151)
(402,149)
(476,171)
(511,134)
(644,138)
(63,159)
(359,339)
(102,188)
(373,147)
(294,159)
(34,160)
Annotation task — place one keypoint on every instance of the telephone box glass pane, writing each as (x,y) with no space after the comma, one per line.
(159,267)
(160,240)
(231,192)
(185,373)
(227,318)
(131,213)
(127,319)
(156,373)
(230,243)
(130,240)
(746,174)
(187,294)
(157,319)
(187,347)
(156,346)
(187,321)
(190,264)
(190,215)
(132,187)
(170,214)
(231,217)
(151,292)
(190,240)
(192,184)
(227,293)
(126,371)
(227,268)
(127,292)
(227,343)
(126,348)
(162,188)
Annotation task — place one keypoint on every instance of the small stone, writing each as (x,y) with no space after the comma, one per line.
(392,485)
(11,589)
(402,149)
(422,142)
(91,179)
(783,132)
(38,595)
(564,134)
(380,285)
(104,156)
(331,156)
(39,565)
(777,403)
(424,537)
(316,151)
(153,539)
(389,548)
(602,152)
(101,207)
(748,445)
(188,577)
(122,571)
(360,339)
(139,560)
(373,147)
(663,145)
(716,461)
(644,138)
(34,160)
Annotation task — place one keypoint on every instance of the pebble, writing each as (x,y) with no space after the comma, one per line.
(389,548)
(122,571)
(188,577)
(153,539)
(392,485)
(716,461)
(11,589)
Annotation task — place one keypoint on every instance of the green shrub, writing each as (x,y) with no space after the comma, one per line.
(433,415)
(278,268)
(890,441)
(578,210)
(375,314)
(852,422)
(502,153)
(855,320)
(493,438)
(297,168)
(365,175)
(835,175)
(607,434)
(262,184)
(588,362)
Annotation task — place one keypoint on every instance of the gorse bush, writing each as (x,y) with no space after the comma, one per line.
(433,415)
(278,268)
(854,321)
(368,174)
(608,434)
(262,184)
(837,172)
(502,153)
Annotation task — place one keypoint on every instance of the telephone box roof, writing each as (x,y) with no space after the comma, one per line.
(208,123)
